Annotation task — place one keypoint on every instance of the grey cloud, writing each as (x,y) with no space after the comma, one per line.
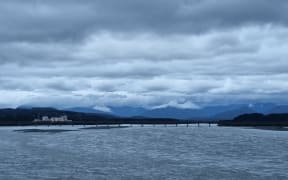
(35,20)
(63,86)
(144,53)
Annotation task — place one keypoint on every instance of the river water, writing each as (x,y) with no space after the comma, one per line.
(143,153)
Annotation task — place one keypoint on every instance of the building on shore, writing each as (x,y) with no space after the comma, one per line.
(52,119)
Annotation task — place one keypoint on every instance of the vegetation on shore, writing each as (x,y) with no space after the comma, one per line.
(12,117)
(257,119)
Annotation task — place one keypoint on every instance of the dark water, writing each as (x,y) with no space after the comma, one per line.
(143,153)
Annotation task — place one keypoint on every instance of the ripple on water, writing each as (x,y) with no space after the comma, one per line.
(143,153)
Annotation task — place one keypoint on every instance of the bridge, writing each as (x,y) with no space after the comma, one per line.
(166,124)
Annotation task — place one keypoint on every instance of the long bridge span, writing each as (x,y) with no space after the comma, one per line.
(141,124)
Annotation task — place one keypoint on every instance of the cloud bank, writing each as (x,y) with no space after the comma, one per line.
(186,53)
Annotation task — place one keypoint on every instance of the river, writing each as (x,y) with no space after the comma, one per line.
(176,153)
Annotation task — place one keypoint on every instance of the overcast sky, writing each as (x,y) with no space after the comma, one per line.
(150,53)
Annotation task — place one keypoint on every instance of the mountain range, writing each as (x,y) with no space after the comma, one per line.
(216,112)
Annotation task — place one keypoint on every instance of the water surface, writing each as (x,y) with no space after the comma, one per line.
(143,153)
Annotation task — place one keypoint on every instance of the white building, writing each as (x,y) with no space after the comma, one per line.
(53,119)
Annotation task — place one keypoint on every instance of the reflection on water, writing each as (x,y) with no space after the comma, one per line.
(103,127)
(43,130)
(142,153)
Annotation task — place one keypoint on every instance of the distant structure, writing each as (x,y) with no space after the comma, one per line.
(53,119)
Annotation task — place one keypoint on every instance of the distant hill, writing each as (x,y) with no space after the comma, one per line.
(264,108)
(230,114)
(24,116)
(127,111)
(28,115)
(215,112)
(279,109)
(85,110)
(168,112)
(206,113)
(257,119)
(122,111)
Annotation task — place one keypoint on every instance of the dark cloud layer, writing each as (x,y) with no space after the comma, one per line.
(35,20)
(183,53)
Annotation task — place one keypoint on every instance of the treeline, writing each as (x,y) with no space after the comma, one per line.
(26,117)
(257,119)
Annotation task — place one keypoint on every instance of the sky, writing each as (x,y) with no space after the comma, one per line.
(143,53)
